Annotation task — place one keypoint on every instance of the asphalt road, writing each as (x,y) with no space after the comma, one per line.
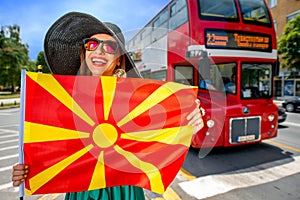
(269,170)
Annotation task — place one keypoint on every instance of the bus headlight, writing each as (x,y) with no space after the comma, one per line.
(271,117)
(210,123)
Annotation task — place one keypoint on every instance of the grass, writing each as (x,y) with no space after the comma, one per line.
(10,105)
(8,95)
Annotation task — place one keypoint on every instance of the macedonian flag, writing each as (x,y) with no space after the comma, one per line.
(84,133)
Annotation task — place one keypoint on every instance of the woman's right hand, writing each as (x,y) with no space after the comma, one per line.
(19,174)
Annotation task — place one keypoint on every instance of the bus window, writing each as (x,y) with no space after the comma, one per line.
(218,10)
(160,25)
(256,81)
(213,81)
(146,74)
(159,75)
(184,75)
(178,14)
(145,37)
(255,11)
(229,77)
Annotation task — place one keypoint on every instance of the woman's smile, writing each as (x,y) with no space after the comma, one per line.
(98,61)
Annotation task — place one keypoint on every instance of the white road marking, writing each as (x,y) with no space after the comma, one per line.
(6,186)
(8,136)
(9,125)
(2,169)
(9,157)
(291,124)
(5,131)
(212,185)
(9,141)
(8,148)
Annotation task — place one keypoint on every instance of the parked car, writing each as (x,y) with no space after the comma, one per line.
(281,114)
(292,104)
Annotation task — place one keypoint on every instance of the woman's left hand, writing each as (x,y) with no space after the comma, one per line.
(195,118)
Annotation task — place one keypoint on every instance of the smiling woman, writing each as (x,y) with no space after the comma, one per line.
(79,44)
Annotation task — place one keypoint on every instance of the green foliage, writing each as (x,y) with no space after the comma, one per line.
(41,61)
(289,44)
(13,56)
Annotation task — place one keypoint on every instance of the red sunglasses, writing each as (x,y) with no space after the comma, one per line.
(108,46)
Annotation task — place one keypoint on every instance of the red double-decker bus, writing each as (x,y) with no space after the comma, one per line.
(228,49)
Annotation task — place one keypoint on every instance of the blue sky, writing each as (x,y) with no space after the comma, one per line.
(35,16)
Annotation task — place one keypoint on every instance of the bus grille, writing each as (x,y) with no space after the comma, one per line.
(244,129)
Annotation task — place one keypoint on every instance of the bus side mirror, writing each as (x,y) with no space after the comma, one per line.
(276,67)
(204,67)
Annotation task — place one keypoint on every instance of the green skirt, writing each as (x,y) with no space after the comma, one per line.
(113,193)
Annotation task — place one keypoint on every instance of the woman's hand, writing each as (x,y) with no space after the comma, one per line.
(195,117)
(19,174)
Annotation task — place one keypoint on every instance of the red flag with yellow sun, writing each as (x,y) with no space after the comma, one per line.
(84,133)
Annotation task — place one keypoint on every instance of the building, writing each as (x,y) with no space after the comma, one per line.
(283,11)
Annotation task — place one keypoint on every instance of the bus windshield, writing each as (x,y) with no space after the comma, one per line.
(255,12)
(256,81)
(218,10)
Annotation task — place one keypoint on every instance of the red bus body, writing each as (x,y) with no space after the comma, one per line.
(244,48)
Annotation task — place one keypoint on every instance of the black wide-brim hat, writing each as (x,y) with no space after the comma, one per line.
(65,37)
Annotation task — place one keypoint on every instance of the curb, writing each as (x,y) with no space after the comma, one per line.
(14,102)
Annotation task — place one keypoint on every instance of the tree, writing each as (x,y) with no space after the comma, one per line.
(41,61)
(13,56)
(289,44)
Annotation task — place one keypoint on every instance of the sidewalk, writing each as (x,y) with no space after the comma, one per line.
(13,101)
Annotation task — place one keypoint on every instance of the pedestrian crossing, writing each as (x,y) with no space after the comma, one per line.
(8,157)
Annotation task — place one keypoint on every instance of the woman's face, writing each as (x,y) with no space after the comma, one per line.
(100,62)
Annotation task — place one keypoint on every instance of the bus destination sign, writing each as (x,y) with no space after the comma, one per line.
(221,39)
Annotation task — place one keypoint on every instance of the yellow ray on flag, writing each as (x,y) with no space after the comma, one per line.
(98,179)
(43,177)
(168,135)
(49,83)
(149,169)
(109,86)
(34,132)
(160,94)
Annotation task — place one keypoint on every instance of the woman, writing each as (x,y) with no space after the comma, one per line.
(78,43)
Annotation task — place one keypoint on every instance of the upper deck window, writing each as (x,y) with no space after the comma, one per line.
(272,3)
(218,10)
(178,14)
(255,12)
(160,25)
